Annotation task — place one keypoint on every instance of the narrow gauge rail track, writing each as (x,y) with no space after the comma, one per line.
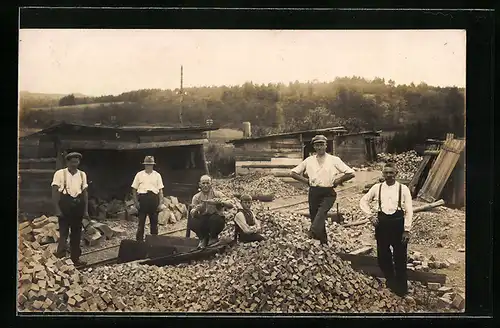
(106,260)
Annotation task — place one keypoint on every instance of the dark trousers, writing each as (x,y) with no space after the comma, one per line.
(250,237)
(148,206)
(70,224)
(389,232)
(321,200)
(207,225)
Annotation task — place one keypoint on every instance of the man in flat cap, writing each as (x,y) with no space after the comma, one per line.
(147,193)
(322,170)
(247,225)
(70,197)
(207,213)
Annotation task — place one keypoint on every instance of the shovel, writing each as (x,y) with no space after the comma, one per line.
(337,217)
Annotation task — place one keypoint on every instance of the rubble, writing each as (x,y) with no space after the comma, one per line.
(257,184)
(172,212)
(407,163)
(437,226)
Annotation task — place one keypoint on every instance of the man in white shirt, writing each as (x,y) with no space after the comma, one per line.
(321,170)
(147,193)
(392,226)
(207,219)
(247,225)
(70,197)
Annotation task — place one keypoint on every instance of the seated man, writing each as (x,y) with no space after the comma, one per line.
(247,226)
(207,213)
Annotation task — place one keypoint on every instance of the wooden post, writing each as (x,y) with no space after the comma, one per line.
(204,158)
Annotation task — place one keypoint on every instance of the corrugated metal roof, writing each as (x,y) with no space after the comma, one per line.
(277,135)
(136,128)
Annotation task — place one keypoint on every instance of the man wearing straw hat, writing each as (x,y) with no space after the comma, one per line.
(321,169)
(70,196)
(147,193)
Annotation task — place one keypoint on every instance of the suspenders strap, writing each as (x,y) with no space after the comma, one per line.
(64,179)
(380,197)
(399,197)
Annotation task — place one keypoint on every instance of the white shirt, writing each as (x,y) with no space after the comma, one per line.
(389,201)
(144,182)
(74,183)
(322,175)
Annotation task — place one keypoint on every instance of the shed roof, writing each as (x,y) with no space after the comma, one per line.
(58,128)
(339,129)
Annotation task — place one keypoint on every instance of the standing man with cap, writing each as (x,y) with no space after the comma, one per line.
(70,197)
(147,193)
(392,226)
(207,216)
(321,169)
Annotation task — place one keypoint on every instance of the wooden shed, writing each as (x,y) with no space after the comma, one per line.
(358,148)
(111,158)
(277,154)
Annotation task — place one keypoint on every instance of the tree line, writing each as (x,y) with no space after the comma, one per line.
(415,111)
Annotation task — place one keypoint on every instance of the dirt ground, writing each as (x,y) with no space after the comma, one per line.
(439,232)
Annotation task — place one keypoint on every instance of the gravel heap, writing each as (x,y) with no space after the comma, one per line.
(257,184)
(407,163)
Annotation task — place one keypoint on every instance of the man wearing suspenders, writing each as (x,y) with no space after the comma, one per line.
(70,197)
(392,225)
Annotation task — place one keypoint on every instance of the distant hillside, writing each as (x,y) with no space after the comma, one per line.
(27,94)
(81,106)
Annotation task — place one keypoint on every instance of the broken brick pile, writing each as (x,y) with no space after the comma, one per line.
(173,211)
(45,230)
(418,262)
(406,163)
(286,273)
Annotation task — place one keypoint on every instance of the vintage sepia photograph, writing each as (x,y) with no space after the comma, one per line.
(241,171)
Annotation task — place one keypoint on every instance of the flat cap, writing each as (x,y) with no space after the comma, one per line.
(73,154)
(319,138)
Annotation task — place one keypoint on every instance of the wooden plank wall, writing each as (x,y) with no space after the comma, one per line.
(274,156)
(441,170)
(351,149)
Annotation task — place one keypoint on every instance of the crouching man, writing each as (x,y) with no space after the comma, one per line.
(70,197)
(247,226)
(207,213)
(392,225)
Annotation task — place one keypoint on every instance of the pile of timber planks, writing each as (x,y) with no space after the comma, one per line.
(95,232)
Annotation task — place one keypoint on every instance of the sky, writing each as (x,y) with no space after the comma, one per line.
(101,62)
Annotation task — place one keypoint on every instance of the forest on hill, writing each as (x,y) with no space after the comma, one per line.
(416,112)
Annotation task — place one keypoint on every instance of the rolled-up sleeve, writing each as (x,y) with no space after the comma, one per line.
(85,184)
(299,169)
(364,202)
(160,182)
(135,183)
(343,167)
(57,180)
(408,205)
